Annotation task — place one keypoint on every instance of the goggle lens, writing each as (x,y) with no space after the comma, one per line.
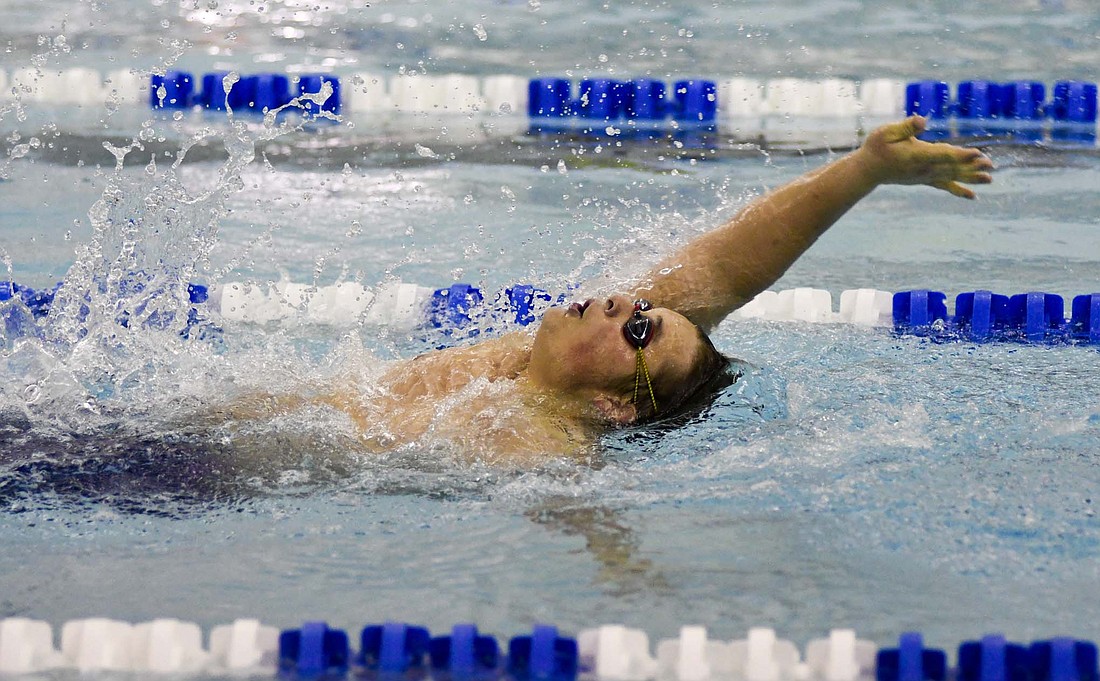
(638,329)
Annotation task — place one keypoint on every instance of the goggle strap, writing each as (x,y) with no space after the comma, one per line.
(640,369)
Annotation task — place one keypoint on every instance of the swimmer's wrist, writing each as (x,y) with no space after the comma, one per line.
(868,169)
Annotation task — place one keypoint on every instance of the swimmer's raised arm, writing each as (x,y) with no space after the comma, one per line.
(723,269)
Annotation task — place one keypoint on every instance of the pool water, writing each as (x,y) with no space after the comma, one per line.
(850,478)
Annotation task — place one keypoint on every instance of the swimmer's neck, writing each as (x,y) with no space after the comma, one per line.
(438,374)
(577,406)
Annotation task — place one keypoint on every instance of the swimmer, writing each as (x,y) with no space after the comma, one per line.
(603,363)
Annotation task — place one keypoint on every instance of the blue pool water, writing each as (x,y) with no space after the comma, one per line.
(852,478)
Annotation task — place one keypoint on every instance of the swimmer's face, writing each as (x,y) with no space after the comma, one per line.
(581,348)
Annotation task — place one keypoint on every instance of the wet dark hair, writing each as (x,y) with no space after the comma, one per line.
(710,374)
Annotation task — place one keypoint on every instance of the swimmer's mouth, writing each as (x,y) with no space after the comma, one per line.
(579,308)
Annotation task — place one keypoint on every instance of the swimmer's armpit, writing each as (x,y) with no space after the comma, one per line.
(725,268)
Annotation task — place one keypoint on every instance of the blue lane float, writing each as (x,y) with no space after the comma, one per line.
(993,658)
(1063,659)
(543,656)
(984,316)
(399,650)
(465,654)
(911,661)
(256,92)
(314,650)
(1018,110)
(1071,101)
(640,107)
(393,647)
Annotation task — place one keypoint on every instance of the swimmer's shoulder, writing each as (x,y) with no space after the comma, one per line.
(440,372)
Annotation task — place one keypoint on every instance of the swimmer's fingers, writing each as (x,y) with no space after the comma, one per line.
(961,165)
(903,130)
(956,189)
(898,156)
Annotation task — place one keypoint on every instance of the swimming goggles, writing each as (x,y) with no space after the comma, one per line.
(638,329)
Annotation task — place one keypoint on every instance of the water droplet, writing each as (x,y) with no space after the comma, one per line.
(562,169)
(230,80)
(481,33)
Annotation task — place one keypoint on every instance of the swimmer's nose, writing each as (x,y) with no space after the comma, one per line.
(618,305)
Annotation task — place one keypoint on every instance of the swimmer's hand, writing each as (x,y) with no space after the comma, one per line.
(894,155)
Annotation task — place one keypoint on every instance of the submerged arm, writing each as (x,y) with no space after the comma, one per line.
(724,268)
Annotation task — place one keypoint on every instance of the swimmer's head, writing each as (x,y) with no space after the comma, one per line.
(591,350)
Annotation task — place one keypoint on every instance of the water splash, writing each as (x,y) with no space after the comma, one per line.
(120,324)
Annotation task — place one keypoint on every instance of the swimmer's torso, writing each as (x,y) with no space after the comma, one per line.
(471,399)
